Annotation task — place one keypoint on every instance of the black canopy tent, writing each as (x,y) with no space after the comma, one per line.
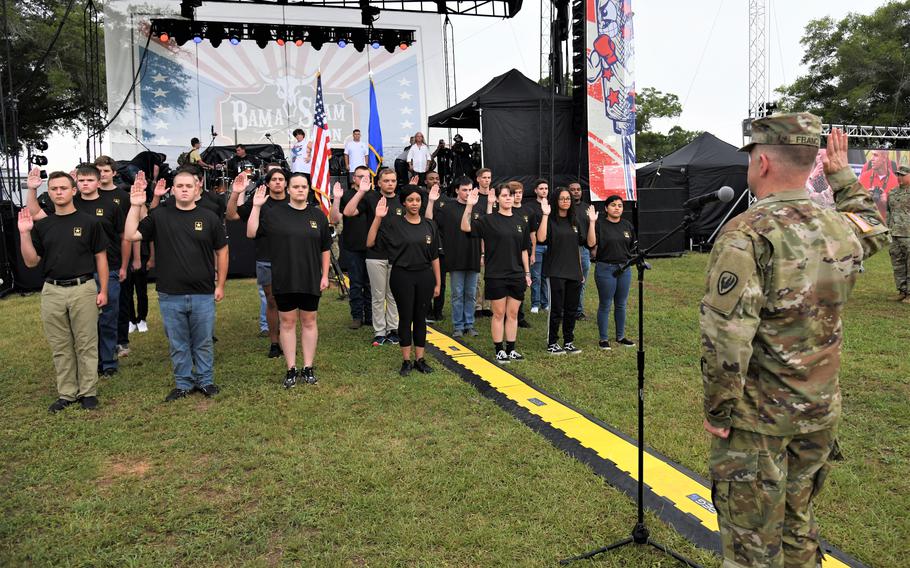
(704,165)
(514,115)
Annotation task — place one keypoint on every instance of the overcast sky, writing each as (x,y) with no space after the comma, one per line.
(697,50)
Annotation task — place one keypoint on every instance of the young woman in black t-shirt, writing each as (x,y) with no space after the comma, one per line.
(562,234)
(299,240)
(412,243)
(615,237)
(506,241)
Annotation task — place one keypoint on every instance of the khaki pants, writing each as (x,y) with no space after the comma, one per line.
(385,311)
(763,488)
(70,318)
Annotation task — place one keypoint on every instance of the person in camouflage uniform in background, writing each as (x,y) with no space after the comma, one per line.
(778,278)
(898,209)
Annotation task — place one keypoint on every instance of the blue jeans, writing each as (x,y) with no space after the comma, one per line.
(612,290)
(107,324)
(263,304)
(540,290)
(189,322)
(360,299)
(464,290)
(585,268)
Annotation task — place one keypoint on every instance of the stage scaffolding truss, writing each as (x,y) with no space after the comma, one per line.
(488,8)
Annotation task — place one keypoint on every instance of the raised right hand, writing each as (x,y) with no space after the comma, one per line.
(137,194)
(835,158)
(161,187)
(473,197)
(434,193)
(240,183)
(364,185)
(34,178)
(141,183)
(260,197)
(25,220)
(382,208)
(337,191)
(545,207)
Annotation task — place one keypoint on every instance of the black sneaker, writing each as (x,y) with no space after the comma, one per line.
(274,351)
(524,324)
(422,366)
(89,402)
(406,367)
(431,318)
(290,381)
(581,316)
(486,313)
(605,345)
(555,349)
(107,373)
(379,340)
(175,394)
(625,342)
(502,357)
(515,356)
(309,376)
(392,338)
(209,390)
(571,349)
(59,405)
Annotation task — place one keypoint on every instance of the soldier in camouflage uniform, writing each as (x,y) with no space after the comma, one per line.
(898,209)
(778,278)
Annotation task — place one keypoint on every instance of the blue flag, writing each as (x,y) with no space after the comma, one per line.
(375,133)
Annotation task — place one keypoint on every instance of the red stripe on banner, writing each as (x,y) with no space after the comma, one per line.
(321,167)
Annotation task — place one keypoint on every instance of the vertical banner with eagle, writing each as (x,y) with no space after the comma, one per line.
(611,99)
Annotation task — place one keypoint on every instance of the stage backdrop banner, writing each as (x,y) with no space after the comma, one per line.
(244,93)
(611,99)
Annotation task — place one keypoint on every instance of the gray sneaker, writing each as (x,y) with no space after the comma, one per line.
(457,333)
(471,331)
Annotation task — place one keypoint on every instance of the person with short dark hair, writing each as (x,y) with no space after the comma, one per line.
(615,238)
(506,244)
(562,233)
(356,152)
(195,158)
(412,245)
(540,293)
(300,269)
(72,245)
(241,161)
(581,213)
(353,244)
(191,247)
(301,153)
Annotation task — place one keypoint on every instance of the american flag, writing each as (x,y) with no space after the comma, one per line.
(321,150)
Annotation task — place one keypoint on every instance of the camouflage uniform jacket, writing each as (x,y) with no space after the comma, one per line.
(778,278)
(899,211)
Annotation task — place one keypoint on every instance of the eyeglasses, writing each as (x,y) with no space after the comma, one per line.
(565,198)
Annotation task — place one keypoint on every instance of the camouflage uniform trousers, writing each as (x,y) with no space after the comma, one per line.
(900,262)
(762,488)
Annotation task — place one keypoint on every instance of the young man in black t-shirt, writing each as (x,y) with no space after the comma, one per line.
(581,213)
(72,246)
(353,242)
(189,242)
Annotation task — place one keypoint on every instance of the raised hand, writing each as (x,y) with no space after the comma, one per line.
(34,178)
(545,207)
(337,191)
(592,213)
(835,158)
(141,183)
(73,174)
(260,197)
(137,194)
(240,183)
(25,222)
(473,197)
(434,193)
(364,185)
(382,209)
(415,179)
(161,188)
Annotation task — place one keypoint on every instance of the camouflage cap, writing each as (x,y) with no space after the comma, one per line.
(902,171)
(796,128)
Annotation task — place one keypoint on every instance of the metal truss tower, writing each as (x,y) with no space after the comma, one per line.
(547,16)
(759,53)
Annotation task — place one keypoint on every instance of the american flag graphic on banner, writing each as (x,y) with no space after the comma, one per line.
(321,150)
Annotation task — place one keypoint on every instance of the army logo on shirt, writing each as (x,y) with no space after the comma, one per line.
(574,228)
(525,217)
(519,228)
(429,239)
(726,282)
(626,234)
(117,200)
(99,212)
(398,212)
(77,231)
(197,225)
(476,216)
(313,224)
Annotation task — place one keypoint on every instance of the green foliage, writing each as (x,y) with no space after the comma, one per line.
(858,68)
(53,96)
(649,105)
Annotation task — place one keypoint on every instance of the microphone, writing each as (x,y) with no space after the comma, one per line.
(724,195)
(214,134)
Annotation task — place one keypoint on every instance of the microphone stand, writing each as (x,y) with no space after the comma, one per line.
(138,141)
(640,533)
(205,177)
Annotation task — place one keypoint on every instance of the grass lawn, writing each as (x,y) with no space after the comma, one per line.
(368,469)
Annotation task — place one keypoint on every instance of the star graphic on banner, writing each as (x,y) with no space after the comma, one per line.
(157,78)
(160,124)
(159,92)
(613,97)
(406,110)
(404,95)
(608,73)
(404,82)
(161,109)
(406,124)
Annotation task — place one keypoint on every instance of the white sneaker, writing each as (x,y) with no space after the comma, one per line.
(123,350)
(535,310)
(142,326)
(133,327)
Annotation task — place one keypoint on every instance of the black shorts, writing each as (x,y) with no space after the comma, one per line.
(499,288)
(297,301)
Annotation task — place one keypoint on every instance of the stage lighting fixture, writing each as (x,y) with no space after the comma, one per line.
(402,46)
(234,35)
(215,33)
(316,38)
(368,14)
(280,36)
(376,45)
(263,36)
(38,160)
(197,37)
(359,39)
(164,38)
(41,145)
(342,44)
(181,33)
(389,40)
(188,8)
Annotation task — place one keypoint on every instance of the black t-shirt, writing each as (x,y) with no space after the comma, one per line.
(461,251)
(119,196)
(525,214)
(298,237)
(534,212)
(581,215)
(562,259)
(111,217)
(368,208)
(503,239)
(67,244)
(185,245)
(614,240)
(262,243)
(354,236)
(409,246)
(207,200)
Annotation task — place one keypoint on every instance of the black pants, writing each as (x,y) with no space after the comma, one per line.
(123,317)
(137,284)
(359,295)
(440,301)
(412,290)
(563,308)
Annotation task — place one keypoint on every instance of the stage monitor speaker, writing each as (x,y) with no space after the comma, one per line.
(661,210)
